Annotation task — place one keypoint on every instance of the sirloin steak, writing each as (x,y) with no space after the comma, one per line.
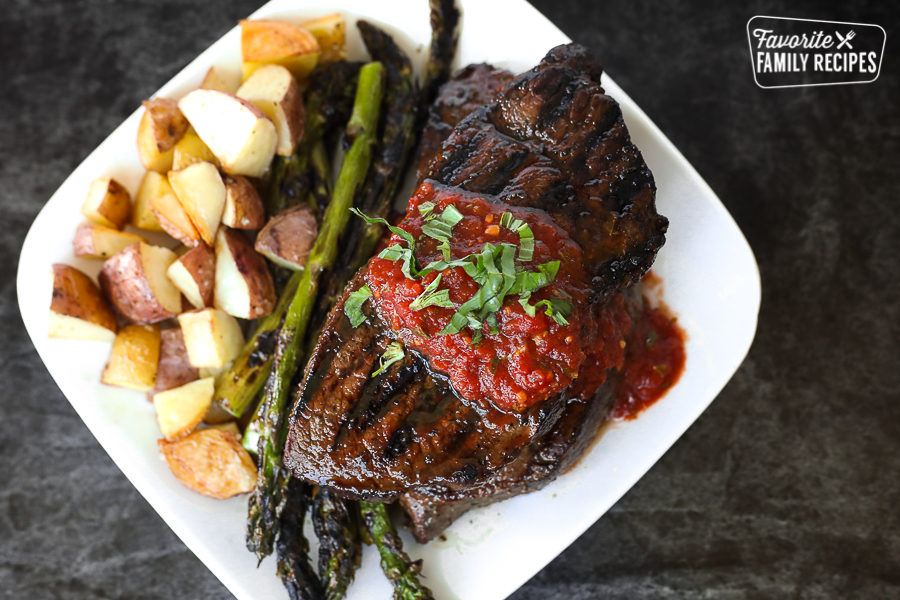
(551,141)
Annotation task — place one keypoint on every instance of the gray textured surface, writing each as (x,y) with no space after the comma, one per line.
(787,487)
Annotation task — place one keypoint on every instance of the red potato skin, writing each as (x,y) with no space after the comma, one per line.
(76,295)
(249,211)
(83,242)
(200,261)
(170,228)
(289,235)
(124,285)
(256,272)
(175,369)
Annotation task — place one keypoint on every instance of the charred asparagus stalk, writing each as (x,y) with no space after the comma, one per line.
(340,547)
(444,40)
(294,568)
(395,563)
(272,477)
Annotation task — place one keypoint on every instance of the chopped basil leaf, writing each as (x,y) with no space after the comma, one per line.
(651,338)
(425,208)
(441,227)
(555,308)
(432,296)
(392,354)
(353,305)
(526,236)
(444,247)
(407,236)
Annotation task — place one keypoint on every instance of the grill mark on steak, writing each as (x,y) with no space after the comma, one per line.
(551,140)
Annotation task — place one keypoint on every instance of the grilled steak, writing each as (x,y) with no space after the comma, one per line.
(468,90)
(551,141)
(555,140)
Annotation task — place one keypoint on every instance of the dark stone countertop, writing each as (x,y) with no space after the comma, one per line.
(787,487)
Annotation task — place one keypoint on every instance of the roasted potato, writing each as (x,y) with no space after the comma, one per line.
(191,149)
(134,358)
(108,203)
(243,206)
(175,368)
(274,91)
(135,282)
(211,462)
(161,127)
(213,81)
(288,237)
(330,32)
(174,220)
(278,43)
(201,192)
(244,286)
(228,426)
(212,337)
(153,186)
(194,274)
(78,310)
(179,410)
(241,136)
(97,241)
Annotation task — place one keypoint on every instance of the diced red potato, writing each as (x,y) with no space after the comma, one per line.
(201,192)
(240,135)
(243,206)
(189,150)
(97,241)
(212,337)
(274,91)
(265,42)
(214,81)
(330,33)
(135,282)
(244,286)
(174,220)
(179,410)
(175,368)
(194,273)
(153,185)
(288,237)
(108,203)
(161,127)
(211,462)
(134,358)
(78,310)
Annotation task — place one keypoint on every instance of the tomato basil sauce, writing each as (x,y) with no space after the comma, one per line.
(525,359)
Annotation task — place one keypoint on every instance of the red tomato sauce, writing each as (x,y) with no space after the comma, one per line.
(530,358)
(654,361)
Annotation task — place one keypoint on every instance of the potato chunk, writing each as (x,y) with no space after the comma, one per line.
(244,286)
(194,274)
(274,91)
(97,241)
(214,81)
(136,283)
(266,42)
(134,358)
(330,32)
(179,410)
(161,127)
(212,337)
(78,310)
(108,203)
(288,237)
(174,220)
(243,206)
(191,149)
(153,186)
(175,368)
(201,192)
(211,462)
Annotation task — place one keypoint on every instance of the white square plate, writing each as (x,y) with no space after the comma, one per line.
(711,283)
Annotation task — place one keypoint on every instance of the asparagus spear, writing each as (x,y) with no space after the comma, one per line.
(294,568)
(395,563)
(340,547)
(444,40)
(272,477)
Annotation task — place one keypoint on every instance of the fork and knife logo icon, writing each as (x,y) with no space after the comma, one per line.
(845,39)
